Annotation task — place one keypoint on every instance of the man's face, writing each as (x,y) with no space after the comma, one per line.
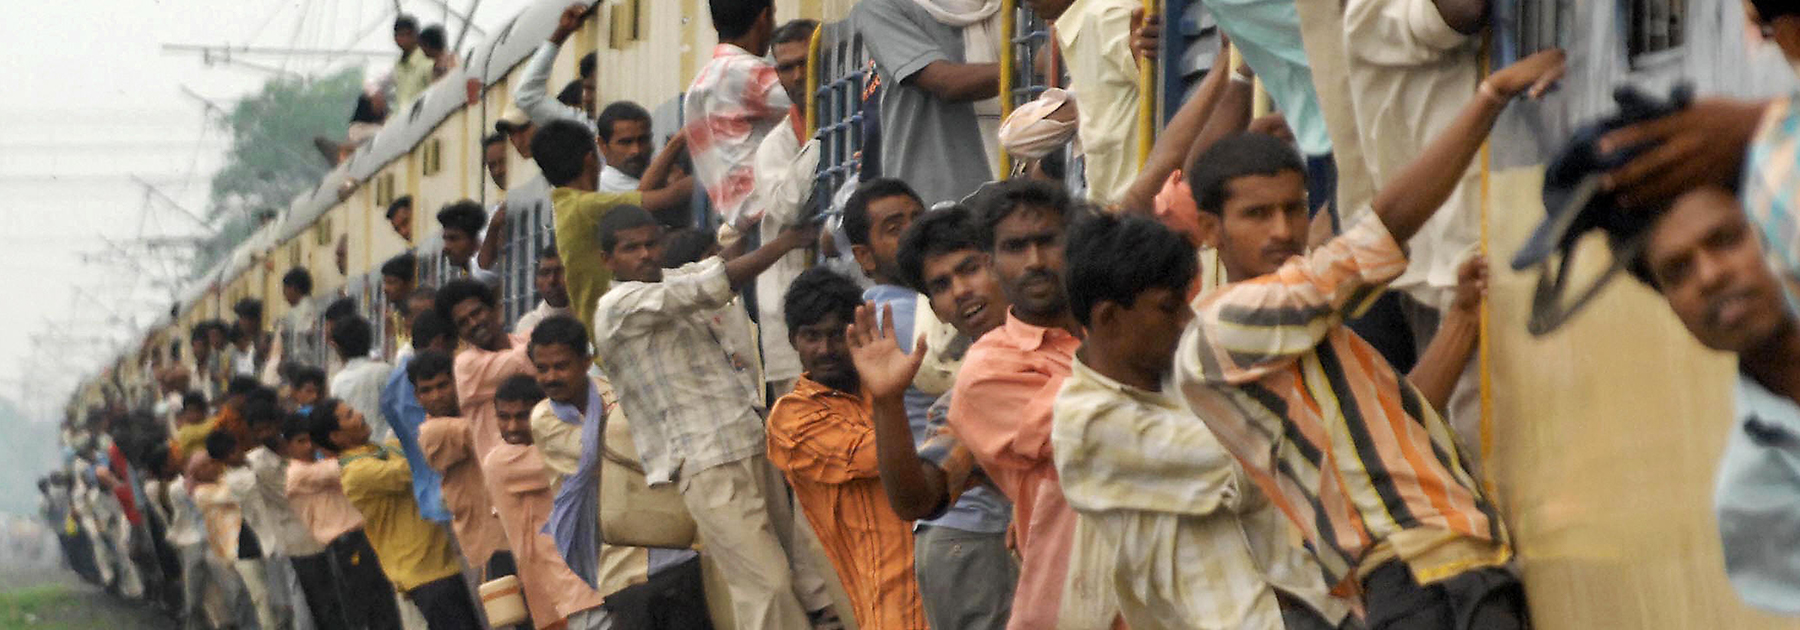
(406,39)
(395,289)
(1263,224)
(291,294)
(824,353)
(515,421)
(215,337)
(1149,330)
(306,394)
(550,284)
(352,430)
(629,148)
(520,137)
(191,415)
(637,256)
(438,395)
(476,322)
(402,222)
(888,219)
(1028,260)
(963,291)
(790,69)
(299,447)
(561,372)
(493,156)
(1708,265)
(459,246)
(416,305)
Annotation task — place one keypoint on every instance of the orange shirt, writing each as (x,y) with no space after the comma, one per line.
(448,449)
(520,486)
(478,375)
(316,491)
(824,440)
(1001,410)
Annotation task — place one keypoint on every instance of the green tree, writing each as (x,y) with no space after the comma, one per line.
(272,158)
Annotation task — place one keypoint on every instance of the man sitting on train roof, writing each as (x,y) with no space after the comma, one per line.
(1701,254)
(412,71)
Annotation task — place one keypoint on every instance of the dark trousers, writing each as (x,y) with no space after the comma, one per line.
(1482,599)
(320,587)
(445,604)
(363,592)
(673,599)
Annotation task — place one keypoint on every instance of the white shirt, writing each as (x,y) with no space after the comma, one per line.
(1095,37)
(613,180)
(185,526)
(530,320)
(532,95)
(1404,92)
(784,173)
(359,385)
(673,351)
(260,487)
(1194,545)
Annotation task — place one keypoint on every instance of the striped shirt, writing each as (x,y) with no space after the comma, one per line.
(1195,545)
(690,389)
(1335,436)
(1771,190)
(735,100)
(823,440)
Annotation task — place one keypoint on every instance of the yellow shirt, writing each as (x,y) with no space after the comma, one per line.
(578,242)
(192,438)
(412,74)
(412,550)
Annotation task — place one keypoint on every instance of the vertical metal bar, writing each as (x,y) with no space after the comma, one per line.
(1146,122)
(1007,52)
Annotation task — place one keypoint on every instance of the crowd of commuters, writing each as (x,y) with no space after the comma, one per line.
(1096,392)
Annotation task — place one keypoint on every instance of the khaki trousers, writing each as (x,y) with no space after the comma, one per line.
(745,519)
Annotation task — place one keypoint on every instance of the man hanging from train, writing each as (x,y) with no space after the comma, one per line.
(472,240)
(1358,460)
(566,154)
(735,100)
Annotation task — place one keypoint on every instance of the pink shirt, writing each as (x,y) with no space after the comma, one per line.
(222,516)
(520,485)
(316,491)
(447,446)
(735,100)
(1001,410)
(478,374)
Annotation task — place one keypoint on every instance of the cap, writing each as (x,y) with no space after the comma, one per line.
(512,120)
(1574,203)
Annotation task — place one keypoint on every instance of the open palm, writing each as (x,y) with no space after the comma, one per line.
(886,370)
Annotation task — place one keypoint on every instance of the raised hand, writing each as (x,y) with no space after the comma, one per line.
(568,23)
(886,370)
(1532,75)
(1471,285)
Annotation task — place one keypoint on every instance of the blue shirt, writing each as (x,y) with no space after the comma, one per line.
(1757,498)
(1267,33)
(980,509)
(404,415)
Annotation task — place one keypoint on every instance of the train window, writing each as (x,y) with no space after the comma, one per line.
(1652,27)
(623,28)
(322,232)
(384,190)
(433,157)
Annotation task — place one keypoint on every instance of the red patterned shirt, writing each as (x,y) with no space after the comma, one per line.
(735,100)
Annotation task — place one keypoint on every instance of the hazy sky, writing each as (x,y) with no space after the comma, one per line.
(91,99)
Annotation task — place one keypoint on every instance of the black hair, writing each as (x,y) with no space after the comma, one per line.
(404,201)
(300,279)
(548,251)
(433,37)
(995,202)
(519,388)
(193,399)
(792,31)
(459,291)
(429,364)
(405,267)
(353,336)
(233,334)
(819,292)
(586,67)
(1768,10)
(240,385)
(493,139)
(570,94)
(260,406)
(560,147)
(304,374)
(561,330)
(856,209)
(686,245)
(365,110)
(407,22)
(1114,259)
(295,424)
(466,216)
(619,111)
(339,309)
(322,422)
(155,460)
(936,232)
(248,308)
(429,326)
(620,219)
(734,18)
(220,444)
(1241,155)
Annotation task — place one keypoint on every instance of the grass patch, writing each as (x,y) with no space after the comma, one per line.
(34,607)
